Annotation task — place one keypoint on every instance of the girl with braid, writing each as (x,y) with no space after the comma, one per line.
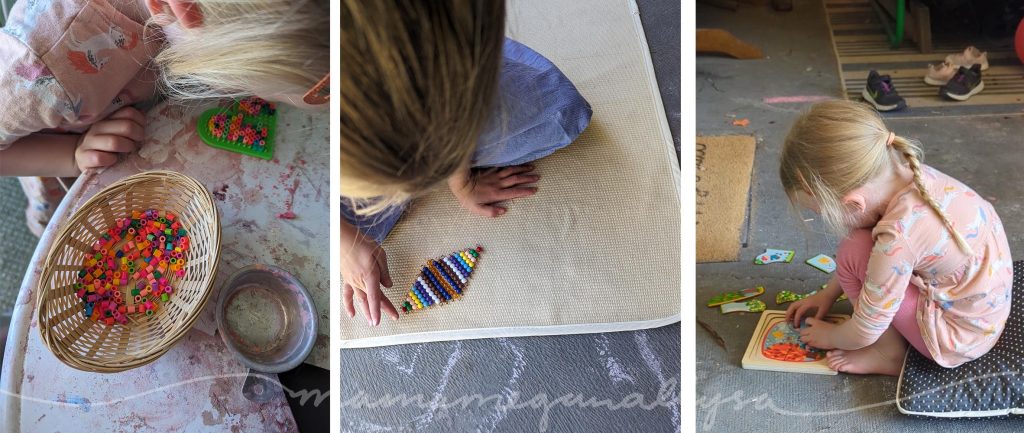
(925,260)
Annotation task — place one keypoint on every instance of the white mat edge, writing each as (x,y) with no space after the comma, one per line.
(513,331)
(666,131)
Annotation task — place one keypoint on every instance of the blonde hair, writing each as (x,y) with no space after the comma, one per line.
(838,146)
(246,47)
(419,82)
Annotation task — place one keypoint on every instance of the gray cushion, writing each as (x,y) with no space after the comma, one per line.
(992,385)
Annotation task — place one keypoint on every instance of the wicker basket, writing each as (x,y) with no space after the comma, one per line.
(92,346)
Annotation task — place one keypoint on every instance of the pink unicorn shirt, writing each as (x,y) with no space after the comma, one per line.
(65,64)
(964,300)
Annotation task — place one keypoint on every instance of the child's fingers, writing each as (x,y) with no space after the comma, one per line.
(518,179)
(373,296)
(359,297)
(805,336)
(95,159)
(388,307)
(514,170)
(111,143)
(799,315)
(382,264)
(119,127)
(498,210)
(515,192)
(346,300)
(128,113)
(488,210)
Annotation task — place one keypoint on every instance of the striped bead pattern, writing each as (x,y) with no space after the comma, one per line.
(442,280)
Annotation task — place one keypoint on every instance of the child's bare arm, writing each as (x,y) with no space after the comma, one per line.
(832,289)
(48,155)
(67,155)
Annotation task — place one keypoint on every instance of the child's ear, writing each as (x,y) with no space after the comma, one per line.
(155,6)
(186,11)
(855,201)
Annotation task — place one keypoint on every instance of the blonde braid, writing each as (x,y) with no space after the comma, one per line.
(910,153)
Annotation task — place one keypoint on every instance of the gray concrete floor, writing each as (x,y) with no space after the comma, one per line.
(605,367)
(981,151)
(16,246)
(17,243)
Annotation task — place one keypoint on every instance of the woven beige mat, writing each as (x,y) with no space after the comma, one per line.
(597,248)
(724,165)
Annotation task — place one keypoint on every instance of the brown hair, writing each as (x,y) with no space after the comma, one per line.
(418,80)
(837,146)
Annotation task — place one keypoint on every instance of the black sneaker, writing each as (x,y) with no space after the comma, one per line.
(963,85)
(882,94)
(782,5)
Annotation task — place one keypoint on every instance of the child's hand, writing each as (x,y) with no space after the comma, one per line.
(480,192)
(364,267)
(821,302)
(101,146)
(818,333)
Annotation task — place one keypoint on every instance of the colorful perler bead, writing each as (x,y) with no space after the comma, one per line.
(246,127)
(127,272)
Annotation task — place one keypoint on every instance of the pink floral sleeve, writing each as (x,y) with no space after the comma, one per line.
(32,98)
(890,268)
(65,64)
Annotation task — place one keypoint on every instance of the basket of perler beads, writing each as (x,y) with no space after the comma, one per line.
(129,272)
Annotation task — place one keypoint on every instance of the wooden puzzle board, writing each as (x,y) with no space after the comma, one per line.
(786,354)
(597,248)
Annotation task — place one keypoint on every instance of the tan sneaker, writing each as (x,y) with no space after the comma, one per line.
(970,56)
(940,74)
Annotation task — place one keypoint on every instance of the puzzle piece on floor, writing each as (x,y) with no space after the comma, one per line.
(750,306)
(740,295)
(788,296)
(442,280)
(774,256)
(823,263)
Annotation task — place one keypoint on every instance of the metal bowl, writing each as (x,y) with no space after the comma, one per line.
(267,318)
